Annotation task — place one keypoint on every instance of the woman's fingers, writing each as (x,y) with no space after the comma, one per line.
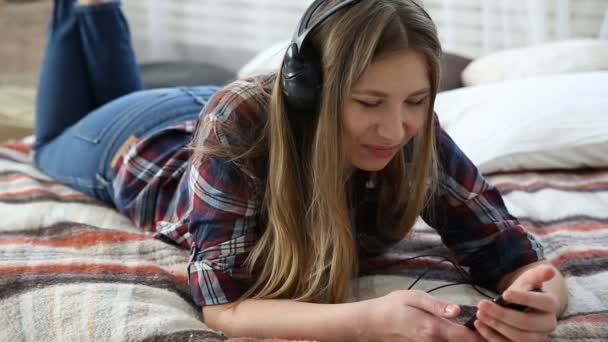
(424,301)
(488,333)
(433,323)
(535,277)
(457,332)
(508,331)
(432,327)
(535,300)
(530,321)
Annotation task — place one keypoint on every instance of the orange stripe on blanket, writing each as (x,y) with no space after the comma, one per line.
(17,177)
(568,256)
(91,269)
(592,318)
(19,147)
(566,227)
(552,185)
(45,192)
(80,240)
(13,178)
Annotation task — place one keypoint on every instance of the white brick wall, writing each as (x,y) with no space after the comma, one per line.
(229,32)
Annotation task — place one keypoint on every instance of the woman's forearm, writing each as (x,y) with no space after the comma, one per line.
(288,319)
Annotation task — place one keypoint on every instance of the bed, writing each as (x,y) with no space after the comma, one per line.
(74,269)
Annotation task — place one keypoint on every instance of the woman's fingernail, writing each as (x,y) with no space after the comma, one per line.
(451,309)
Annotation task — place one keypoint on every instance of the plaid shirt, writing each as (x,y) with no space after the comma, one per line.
(212,206)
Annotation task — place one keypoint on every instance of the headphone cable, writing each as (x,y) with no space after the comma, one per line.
(461,271)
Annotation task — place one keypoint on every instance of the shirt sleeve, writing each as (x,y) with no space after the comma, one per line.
(222,215)
(473,222)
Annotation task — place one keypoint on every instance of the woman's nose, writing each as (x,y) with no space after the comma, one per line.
(392,126)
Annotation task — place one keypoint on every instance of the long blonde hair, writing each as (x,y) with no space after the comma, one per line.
(307,250)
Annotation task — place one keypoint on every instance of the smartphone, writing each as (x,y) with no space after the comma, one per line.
(500,301)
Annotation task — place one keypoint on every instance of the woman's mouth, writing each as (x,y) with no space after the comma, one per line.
(379,151)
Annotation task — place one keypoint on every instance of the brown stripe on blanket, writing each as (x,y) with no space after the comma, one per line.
(567,173)
(582,263)
(109,269)
(187,335)
(572,222)
(207,336)
(15,283)
(577,263)
(584,326)
(4,156)
(592,187)
(434,268)
(60,229)
(560,243)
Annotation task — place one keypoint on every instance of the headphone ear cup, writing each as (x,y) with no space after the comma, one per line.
(301,81)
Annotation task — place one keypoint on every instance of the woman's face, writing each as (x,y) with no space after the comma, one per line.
(387,106)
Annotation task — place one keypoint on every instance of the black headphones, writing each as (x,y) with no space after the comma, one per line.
(301,70)
(301,77)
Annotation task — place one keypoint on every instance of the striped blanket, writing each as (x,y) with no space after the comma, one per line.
(74,269)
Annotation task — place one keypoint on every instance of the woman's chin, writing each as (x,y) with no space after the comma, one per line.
(372,165)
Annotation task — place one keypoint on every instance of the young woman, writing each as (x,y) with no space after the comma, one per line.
(279,184)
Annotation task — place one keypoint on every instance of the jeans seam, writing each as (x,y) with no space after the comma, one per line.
(202,101)
(77,182)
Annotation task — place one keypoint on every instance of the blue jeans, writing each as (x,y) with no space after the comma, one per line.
(90,98)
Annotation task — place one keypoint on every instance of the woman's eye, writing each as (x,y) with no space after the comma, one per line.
(418,103)
(368,104)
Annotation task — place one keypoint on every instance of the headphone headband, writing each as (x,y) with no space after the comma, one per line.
(305,20)
(304,29)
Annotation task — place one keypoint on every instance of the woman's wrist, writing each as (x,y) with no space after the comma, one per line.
(361,315)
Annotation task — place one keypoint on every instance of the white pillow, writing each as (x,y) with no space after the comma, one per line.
(551,122)
(265,61)
(546,59)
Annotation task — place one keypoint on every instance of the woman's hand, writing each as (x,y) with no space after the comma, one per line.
(412,316)
(496,323)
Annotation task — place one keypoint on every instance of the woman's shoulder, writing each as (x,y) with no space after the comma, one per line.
(240,108)
(242,97)
(257,83)
(262,82)
(233,121)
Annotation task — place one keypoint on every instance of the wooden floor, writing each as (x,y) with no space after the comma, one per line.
(23,35)
(16,111)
